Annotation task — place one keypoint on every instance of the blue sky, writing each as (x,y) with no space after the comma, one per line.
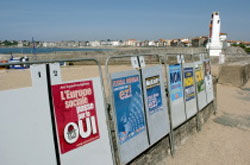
(113,19)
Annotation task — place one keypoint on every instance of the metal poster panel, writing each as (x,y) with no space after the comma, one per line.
(208,81)
(26,131)
(156,107)
(81,121)
(129,114)
(176,94)
(189,90)
(200,85)
(75,113)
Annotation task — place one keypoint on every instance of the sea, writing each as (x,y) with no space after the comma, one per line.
(47,50)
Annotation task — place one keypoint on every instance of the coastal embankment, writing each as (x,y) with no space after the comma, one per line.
(103,54)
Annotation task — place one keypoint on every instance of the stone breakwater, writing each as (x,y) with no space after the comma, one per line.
(102,55)
(233,54)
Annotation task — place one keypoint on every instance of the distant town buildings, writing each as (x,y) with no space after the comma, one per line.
(215,41)
(237,42)
(200,41)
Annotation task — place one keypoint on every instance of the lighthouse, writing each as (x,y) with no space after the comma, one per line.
(216,38)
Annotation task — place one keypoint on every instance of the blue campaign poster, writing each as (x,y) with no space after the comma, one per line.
(129,107)
(189,83)
(154,98)
(176,90)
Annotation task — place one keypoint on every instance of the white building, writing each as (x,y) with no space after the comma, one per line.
(151,43)
(95,43)
(130,42)
(115,43)
(49,44)
(216,38)
(20,44)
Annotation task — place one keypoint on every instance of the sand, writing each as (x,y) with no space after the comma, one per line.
(224,139)
(14,79)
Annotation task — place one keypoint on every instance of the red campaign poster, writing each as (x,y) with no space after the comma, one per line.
(75,113)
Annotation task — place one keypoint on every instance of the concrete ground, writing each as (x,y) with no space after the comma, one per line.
(225,138)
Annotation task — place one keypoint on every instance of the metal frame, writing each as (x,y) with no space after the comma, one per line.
(171,135)
(102,85)
(162,60)
(182,76)
(108,76)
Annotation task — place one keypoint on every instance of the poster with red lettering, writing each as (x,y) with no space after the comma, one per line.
(75,114)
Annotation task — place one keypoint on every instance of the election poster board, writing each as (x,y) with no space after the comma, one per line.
(189,90)
(200,85)
(209,81)
(81,121)
(26,131)
(156,105)
(129,114)
(175,88)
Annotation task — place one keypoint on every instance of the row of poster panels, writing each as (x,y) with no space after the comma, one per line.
(190,88)
(80,118)
(141,112)
(140,106)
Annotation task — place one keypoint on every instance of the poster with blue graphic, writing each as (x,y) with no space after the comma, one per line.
(129,107)
(189,83)
(154,98)
(175,81)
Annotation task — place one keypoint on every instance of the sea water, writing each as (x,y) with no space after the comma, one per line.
(45,50)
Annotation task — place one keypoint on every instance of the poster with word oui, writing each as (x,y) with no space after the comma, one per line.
(154,98)
(75,113)
(176,90)
(189,83)
(199,76)
(129,107)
